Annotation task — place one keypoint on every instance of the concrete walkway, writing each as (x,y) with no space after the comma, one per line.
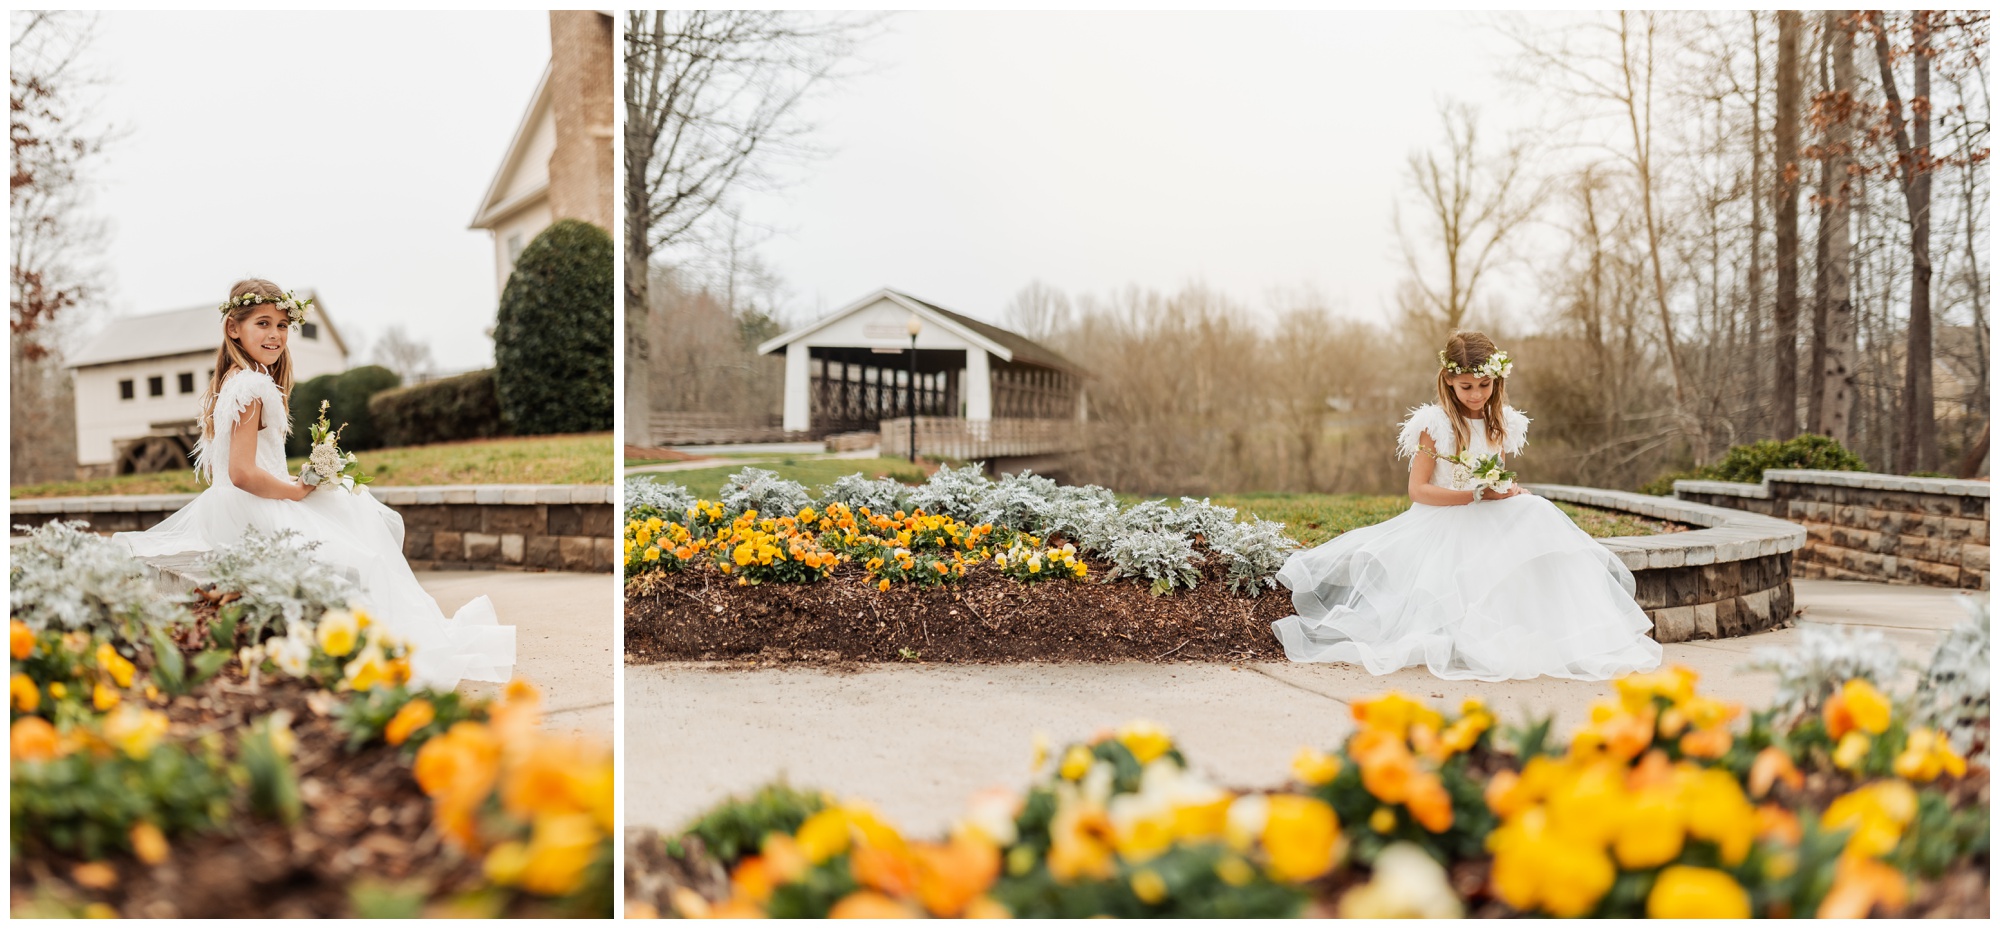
(815,452)
(565,641)
(918,740)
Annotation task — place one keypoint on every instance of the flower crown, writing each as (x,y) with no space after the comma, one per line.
(292,305)
(1496,365)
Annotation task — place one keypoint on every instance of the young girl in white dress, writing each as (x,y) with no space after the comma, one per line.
(241,454)
(1471,582)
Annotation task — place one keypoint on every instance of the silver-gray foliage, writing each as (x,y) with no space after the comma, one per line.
(956,494)
(65,577)
(1162,556)
(1825,657)
(1200,517)
(881,495)
(1021,501)
(281,581)
(1085,515)
(671,499)
(1254,552)
(765,492)
(1956,690)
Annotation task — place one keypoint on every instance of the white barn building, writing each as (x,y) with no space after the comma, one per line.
(139,384)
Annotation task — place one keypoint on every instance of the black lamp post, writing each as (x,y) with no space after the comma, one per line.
(915,326)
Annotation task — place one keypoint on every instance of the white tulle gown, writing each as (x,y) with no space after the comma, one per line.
(1497,590)
(358,535)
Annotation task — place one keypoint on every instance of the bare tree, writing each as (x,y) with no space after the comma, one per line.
(710,95)
(1835,110)
(1472,201)
(52,234)
(404,354)
(1785,306)
(1918,449)
(1038,311)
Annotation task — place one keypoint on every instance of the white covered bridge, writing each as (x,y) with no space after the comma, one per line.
(980,392)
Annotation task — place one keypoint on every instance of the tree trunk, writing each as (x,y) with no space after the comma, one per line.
(639,142)
(1785,213)
(1816,355)
(1760,413)
(1837,377)
(1639,118)
(1918,448)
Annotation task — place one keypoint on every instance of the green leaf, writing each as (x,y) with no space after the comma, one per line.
(169,669)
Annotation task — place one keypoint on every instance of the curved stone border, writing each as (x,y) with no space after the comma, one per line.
(1872,527)
(1731,577)
(567,527)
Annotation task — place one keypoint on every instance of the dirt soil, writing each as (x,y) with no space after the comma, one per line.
(698,614)
(658,454)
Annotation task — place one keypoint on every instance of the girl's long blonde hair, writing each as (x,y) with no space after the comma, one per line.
(231,356)
(1469,350)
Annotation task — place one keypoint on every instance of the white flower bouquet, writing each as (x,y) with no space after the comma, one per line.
(327,464)
(1486,471)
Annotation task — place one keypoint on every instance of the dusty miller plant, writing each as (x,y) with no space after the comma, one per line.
(64,577)
(1162,556)
(1254,552)
(956,494)
(882,495)
(1956,690)
(1825,658)
(281,583)
(1200,517)
(1084,515)
(1019,501)
(668,501)
(765,492)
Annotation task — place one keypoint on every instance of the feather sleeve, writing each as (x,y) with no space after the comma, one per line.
(1517,431)
(238,391)
(1427,418)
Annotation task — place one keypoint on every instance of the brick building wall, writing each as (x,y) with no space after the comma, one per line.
(580,169)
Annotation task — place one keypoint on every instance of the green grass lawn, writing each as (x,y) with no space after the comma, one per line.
(547,459)
(1309,518)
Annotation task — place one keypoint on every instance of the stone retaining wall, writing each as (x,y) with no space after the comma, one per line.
(1730,577)
(534,527)
(1871,527)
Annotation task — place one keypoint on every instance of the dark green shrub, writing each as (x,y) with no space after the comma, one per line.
(1746,464)
(552,346)
(347,397)
(350,405)
(449,409)
(305,399)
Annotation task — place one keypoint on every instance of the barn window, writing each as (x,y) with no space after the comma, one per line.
(309,330)
(187,382)
(156,386)
(125,389)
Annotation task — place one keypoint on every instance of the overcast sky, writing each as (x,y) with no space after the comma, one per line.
(344,152)
(1252,152)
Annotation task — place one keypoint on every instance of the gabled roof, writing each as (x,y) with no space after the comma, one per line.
(174,332)
(1008,346)
(491,209)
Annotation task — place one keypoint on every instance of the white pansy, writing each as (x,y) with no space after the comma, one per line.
(291,655)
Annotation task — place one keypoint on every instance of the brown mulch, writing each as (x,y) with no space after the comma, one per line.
(658,454)
(698,614)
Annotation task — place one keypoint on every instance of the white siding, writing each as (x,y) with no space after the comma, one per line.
(102,418)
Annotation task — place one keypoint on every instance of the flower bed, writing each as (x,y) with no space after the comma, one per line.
(1838,800)
(960,569)
(257,751)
